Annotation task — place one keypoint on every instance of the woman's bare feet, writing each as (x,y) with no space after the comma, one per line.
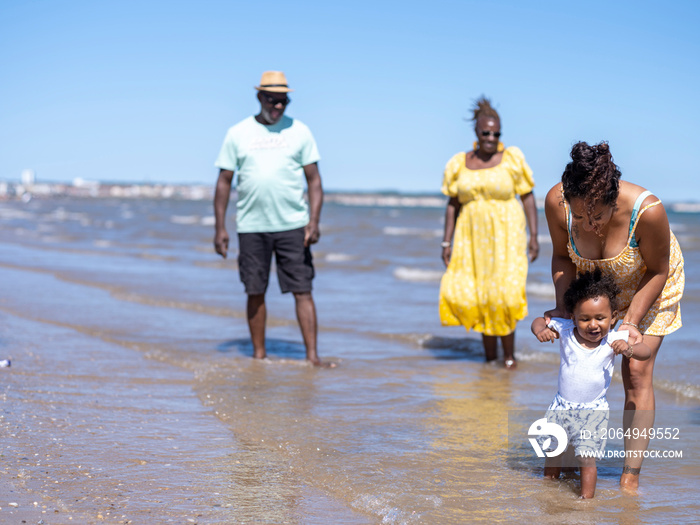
(629,480)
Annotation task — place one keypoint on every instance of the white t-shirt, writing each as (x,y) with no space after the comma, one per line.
(584,374)
(270,164)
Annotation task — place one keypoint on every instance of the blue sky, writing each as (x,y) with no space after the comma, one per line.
(145,91)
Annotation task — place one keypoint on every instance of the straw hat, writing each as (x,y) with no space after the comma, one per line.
(273,82)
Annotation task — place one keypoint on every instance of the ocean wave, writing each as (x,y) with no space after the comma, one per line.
(377,199)
(185,219)
(10,213)
(677,227)
(61,215)
(414,232)
(54,239)
(339,257)
(686,241)
(685,207)
(417,274)
(538,356)
(544,290)
(193,220)
(679,388)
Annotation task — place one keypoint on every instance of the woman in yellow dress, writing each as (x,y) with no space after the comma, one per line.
(484,246)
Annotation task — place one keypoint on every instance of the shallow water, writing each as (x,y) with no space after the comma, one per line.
(132,394)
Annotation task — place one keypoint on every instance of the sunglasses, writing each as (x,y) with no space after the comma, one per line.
(496,134)
(274,101)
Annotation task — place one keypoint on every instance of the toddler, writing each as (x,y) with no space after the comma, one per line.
(587,346)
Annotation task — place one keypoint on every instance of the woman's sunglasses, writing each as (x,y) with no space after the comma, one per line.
(496,134)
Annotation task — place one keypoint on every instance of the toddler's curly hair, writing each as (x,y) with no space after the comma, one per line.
(589,285)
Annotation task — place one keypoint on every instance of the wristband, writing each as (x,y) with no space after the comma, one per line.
(445,244)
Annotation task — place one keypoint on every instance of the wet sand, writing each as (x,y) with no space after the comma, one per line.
(94,432)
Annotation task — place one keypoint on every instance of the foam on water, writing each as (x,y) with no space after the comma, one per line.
(414,232)
(185,219)
(339,257)
(417,274)
(686,207)
(681,388)
(383,200)
(542,290)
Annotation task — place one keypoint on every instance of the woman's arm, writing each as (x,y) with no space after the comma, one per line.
(451,214)
(654,238)
(533,246)
(563,269)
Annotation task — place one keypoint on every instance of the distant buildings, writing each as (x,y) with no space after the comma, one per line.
(28,177)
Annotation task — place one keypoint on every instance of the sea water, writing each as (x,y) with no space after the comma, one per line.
(133,394)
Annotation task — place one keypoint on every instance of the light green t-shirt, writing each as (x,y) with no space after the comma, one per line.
(269,161)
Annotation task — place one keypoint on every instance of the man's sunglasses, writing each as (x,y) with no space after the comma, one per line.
(496,134)
(274,101)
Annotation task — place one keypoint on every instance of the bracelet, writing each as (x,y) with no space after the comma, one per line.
(631,348)
(445,244)
(630,324)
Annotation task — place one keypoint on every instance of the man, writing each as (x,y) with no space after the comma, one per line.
(272,154)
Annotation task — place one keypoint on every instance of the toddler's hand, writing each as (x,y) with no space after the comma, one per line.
(547,335)
(622,347)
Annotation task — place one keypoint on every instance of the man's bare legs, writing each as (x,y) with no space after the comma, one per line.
(306,315)
(491,348)
(257,316)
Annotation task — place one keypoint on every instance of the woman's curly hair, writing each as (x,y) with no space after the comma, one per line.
(592,176)
(483,108)
(589,285)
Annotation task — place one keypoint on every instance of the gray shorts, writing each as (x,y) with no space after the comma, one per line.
(295,268)
(585,424)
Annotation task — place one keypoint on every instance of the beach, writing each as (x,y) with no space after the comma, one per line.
(133,398)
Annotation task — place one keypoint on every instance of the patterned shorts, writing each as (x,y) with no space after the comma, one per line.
(586,424)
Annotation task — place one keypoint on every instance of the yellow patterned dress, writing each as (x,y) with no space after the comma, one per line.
(628,268)
(483,288)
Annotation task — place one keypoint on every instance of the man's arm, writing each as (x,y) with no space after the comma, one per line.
(221,198)
(315,193)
